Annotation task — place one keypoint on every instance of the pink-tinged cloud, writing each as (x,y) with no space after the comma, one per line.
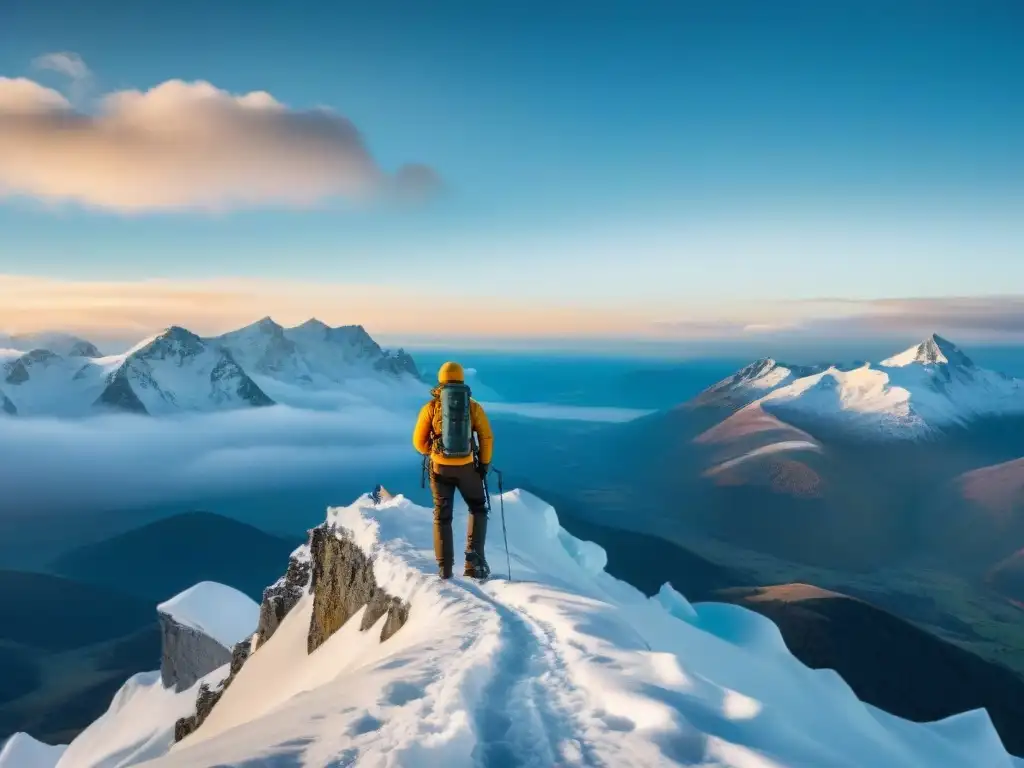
(186,145)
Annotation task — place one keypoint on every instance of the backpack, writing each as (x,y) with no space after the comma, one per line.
(454,439)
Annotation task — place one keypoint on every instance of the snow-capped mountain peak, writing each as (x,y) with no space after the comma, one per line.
(176,343)
(179,370)
(268,325)
(929,387)
(752,382)
(934,350)
(313,326)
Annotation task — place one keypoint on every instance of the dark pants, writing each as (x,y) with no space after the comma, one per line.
(444,481)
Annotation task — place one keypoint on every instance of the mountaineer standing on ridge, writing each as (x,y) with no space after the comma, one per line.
(444,433)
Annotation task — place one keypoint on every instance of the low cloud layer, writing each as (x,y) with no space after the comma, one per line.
(113,462)
(185,145)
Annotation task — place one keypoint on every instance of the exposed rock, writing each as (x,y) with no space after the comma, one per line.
(208,697)
(6,406)
(84,349)
(397,363)
(381,494)
(17,373)
(188,654)
(239,655)
(343,582)
(205,702)
(342,579)
(230,371)
(281,596)
(118,393)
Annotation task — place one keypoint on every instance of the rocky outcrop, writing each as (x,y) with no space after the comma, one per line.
(397,363)
(281,596)
(229,373)
(208,696)
(84,349)
(188,654)
(343,582)
(278,599)
(119,395)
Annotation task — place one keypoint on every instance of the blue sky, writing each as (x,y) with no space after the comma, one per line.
(674,162)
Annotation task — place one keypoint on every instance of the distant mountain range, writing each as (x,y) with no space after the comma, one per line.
(65,649)
(930,387)
(911,462)
(177,370)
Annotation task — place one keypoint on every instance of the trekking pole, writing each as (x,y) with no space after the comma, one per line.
(501,500)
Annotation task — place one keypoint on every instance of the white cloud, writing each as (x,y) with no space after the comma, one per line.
(65,62)
(111,462)
(182,145)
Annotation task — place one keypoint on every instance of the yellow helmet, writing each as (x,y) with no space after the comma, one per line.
(450,372)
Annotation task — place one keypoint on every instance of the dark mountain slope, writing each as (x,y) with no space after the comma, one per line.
(65,648)
(163,558)
(58,614)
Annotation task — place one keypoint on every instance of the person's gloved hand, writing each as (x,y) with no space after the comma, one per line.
(482,469)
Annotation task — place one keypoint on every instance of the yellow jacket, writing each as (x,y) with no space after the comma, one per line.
(429,424)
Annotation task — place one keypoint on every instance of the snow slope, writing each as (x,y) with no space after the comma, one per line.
(928,387)
(22,751)
(753,381)
(563,666)
(220,612)
(138,725)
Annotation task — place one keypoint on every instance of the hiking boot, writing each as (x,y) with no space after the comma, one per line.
(476,567)
(444,571)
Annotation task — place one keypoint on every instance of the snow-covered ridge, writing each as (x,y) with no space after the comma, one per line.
(928,387)
(137,727)
(564,666)
(753,381)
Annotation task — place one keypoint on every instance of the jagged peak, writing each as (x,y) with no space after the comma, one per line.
(268,323)
(934,350)
(173,337)
(83,348)
(757,368)
(313,324)
(265,325)
(350,333)
(39,356)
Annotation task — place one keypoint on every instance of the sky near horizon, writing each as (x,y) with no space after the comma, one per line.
(608,170)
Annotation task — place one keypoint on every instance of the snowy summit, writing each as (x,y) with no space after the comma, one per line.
(562,666)
(928,387)
(178,371)
(220,612)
